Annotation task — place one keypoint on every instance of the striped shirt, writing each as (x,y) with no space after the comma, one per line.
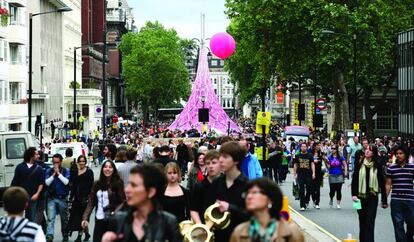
(19,229)
(402,181)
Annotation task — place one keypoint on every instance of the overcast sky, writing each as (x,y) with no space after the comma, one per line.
(182,15)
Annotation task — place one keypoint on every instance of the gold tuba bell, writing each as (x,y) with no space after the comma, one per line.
(204,232)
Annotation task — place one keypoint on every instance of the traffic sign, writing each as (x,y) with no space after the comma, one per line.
(321,103)
(356,126)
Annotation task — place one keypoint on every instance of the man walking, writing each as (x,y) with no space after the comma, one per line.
(30,177)
(400,179)
(304,172)
(251,166)
(57,182)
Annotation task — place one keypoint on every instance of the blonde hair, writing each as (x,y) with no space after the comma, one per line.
(175,167)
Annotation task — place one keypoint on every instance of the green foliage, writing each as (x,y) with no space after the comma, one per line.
(282,40)
(153,66)
(77,85)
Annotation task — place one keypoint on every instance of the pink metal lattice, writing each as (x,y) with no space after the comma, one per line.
(188,118)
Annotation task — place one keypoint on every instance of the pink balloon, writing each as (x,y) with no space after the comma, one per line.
(222,45)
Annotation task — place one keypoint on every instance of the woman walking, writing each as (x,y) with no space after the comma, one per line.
(107,196)
(317,182)
(144,221)
(81,188)
(198,172)
(176,199)
(337,172)
(367,183)
(263,200)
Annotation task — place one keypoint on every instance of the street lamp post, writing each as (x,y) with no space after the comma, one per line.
(354,41)
(31,15)
(74,86)
(74,78)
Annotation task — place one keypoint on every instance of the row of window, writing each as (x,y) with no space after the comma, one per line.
(215,63)
(14,53)
(13,92)
(406,50)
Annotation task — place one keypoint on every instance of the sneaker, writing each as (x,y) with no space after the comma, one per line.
(317,207)
(331,203)
(302,209)
(338,206)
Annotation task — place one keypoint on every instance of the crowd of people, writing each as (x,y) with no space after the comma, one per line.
(151,179)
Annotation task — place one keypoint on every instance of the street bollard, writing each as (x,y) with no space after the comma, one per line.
(350,239)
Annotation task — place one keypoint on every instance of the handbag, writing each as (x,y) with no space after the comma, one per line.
(295,190)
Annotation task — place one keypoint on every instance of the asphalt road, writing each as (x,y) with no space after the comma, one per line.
(345,220)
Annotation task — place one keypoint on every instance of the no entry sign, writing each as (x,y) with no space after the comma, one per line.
(321,103)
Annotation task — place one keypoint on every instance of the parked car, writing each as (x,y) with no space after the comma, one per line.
(79,148)
(12,147)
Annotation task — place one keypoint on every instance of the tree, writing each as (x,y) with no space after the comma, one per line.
(282,41)
(154,67)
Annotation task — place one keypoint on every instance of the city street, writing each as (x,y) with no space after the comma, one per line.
(343,221)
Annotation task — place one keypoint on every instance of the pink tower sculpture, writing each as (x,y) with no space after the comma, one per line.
(188,118)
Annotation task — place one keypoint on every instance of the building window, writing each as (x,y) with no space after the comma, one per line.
(3,50)
(386,119)
(215,91)
(16,54)
(215,81)
(16,15)
(221,62)
(2,91)
(214,63)
(15,92)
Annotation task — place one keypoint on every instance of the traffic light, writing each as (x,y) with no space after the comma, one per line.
(318,120)
(301,112)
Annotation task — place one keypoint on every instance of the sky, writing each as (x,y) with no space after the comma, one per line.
(182,15)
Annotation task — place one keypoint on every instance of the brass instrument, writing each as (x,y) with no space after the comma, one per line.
(203,232)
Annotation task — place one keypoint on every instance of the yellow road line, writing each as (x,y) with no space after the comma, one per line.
(316,225)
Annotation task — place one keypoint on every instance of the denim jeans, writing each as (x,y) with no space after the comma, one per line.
(403,212)
(31,211)
(57,206)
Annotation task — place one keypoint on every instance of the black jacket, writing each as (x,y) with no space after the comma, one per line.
(160,226)
(380,177)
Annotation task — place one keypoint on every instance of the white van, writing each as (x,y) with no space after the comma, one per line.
(12,147)
(79,148)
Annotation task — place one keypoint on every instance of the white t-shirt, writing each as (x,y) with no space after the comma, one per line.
(103,201)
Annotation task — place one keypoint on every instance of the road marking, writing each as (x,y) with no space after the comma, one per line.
(316,225)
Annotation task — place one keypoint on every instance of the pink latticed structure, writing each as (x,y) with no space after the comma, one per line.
(188,118)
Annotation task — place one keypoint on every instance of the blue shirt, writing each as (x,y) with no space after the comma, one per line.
(335,165)
(251,167)
(57,188)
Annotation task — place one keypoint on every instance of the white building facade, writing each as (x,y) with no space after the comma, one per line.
(13,67)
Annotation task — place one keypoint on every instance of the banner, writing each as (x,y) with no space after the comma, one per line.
(295,112)
(311,112)
(259,152)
